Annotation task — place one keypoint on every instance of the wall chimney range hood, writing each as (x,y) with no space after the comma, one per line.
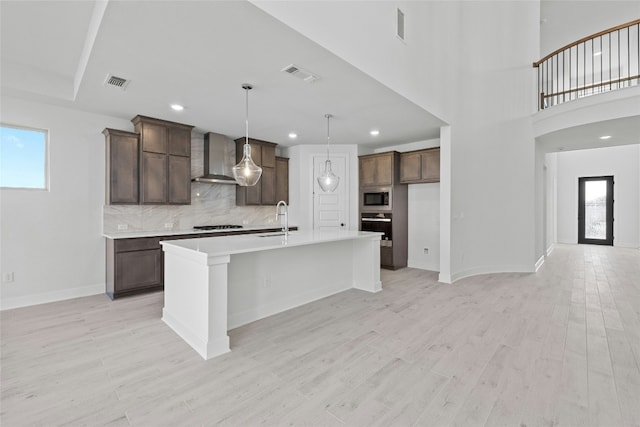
(217,160)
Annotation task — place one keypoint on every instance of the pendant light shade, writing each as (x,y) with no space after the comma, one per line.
(328,181)
(246,172)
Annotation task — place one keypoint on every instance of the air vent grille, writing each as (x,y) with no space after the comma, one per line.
(298,72)
(115,81)
(400,26)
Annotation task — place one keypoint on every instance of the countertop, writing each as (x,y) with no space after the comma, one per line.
(229,245)
(162,233)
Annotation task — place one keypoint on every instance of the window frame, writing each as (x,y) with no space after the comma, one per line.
(47,178)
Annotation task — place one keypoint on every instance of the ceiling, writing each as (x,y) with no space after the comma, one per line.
(622,131)
(198,54)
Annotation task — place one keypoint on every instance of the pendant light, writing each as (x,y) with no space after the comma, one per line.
(247,173)
(328,180)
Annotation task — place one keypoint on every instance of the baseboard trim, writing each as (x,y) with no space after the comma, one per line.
(444,278)
(412,263)
(46,297)
(551,248)
(625,245)
(492,269)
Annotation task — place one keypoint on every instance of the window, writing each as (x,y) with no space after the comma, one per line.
(23,157)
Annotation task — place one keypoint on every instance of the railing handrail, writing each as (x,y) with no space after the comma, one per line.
(585,39)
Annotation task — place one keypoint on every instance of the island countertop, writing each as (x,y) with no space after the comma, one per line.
(166,233)
(229,245)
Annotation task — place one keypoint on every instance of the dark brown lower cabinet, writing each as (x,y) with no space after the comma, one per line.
(133,266)
(136,265)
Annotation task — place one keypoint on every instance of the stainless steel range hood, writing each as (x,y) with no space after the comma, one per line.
(218,158)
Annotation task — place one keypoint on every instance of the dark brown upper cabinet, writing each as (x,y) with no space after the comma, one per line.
(282,179)
(420,166)
(378,169)
(263,154)
(165,166)
(122,181)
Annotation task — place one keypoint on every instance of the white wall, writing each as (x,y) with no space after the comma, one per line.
(623,163)
(52,240)
(493,155)
(551,202)
(424,226)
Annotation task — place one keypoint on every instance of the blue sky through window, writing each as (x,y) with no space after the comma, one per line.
(23,157)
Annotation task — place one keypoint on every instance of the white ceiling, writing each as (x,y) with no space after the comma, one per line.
(623,131)
(198,54)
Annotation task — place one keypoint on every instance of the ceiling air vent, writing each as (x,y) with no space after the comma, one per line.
(298,72)
(115,81)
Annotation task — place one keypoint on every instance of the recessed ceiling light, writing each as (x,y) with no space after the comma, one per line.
(177,107)
(374,132)
(293,135)
(605,137)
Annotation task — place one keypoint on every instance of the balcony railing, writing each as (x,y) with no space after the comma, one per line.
(602,62)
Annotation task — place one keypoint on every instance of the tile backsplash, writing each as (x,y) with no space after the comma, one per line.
(210,204)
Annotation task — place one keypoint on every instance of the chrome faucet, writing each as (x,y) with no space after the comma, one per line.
(285,226)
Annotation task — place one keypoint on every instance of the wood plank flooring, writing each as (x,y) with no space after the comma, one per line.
(559,347)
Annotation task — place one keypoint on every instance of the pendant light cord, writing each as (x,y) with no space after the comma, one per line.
(328,116)
(246,88)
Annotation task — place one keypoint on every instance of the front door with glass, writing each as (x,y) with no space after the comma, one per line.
(595,210)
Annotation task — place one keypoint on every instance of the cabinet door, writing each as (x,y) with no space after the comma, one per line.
(140,269)
(410,166)
(179,180)
(123,169)
(384,169)
(268,156)
(431,165)
(268,183)
(367,172)
(282,179)
(179,142)
(154,138)
(154,178)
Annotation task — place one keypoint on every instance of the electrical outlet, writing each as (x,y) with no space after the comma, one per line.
(122,227)
(426,251)
(7,277)
(168,225)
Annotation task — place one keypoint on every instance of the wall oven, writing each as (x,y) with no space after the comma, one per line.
(374,199)
(381,223)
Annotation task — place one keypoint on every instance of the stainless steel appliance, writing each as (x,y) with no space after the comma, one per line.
(374,199)
(216,227)
(381,223)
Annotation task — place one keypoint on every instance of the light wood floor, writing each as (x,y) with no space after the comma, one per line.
(560,347)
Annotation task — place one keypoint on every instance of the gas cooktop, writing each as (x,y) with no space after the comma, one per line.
(216,227)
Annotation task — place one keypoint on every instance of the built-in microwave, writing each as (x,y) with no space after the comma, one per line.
(375,199)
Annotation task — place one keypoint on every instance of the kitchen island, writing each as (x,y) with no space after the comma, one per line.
(216,284)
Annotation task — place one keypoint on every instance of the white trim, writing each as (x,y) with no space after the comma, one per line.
(444,278)
(46,297)
(551,248)
(492,269)
(539,263)
(625,245)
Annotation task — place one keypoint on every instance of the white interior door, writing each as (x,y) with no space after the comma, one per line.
(330,209)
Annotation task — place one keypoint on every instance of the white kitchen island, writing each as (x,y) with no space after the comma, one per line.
(215,284)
